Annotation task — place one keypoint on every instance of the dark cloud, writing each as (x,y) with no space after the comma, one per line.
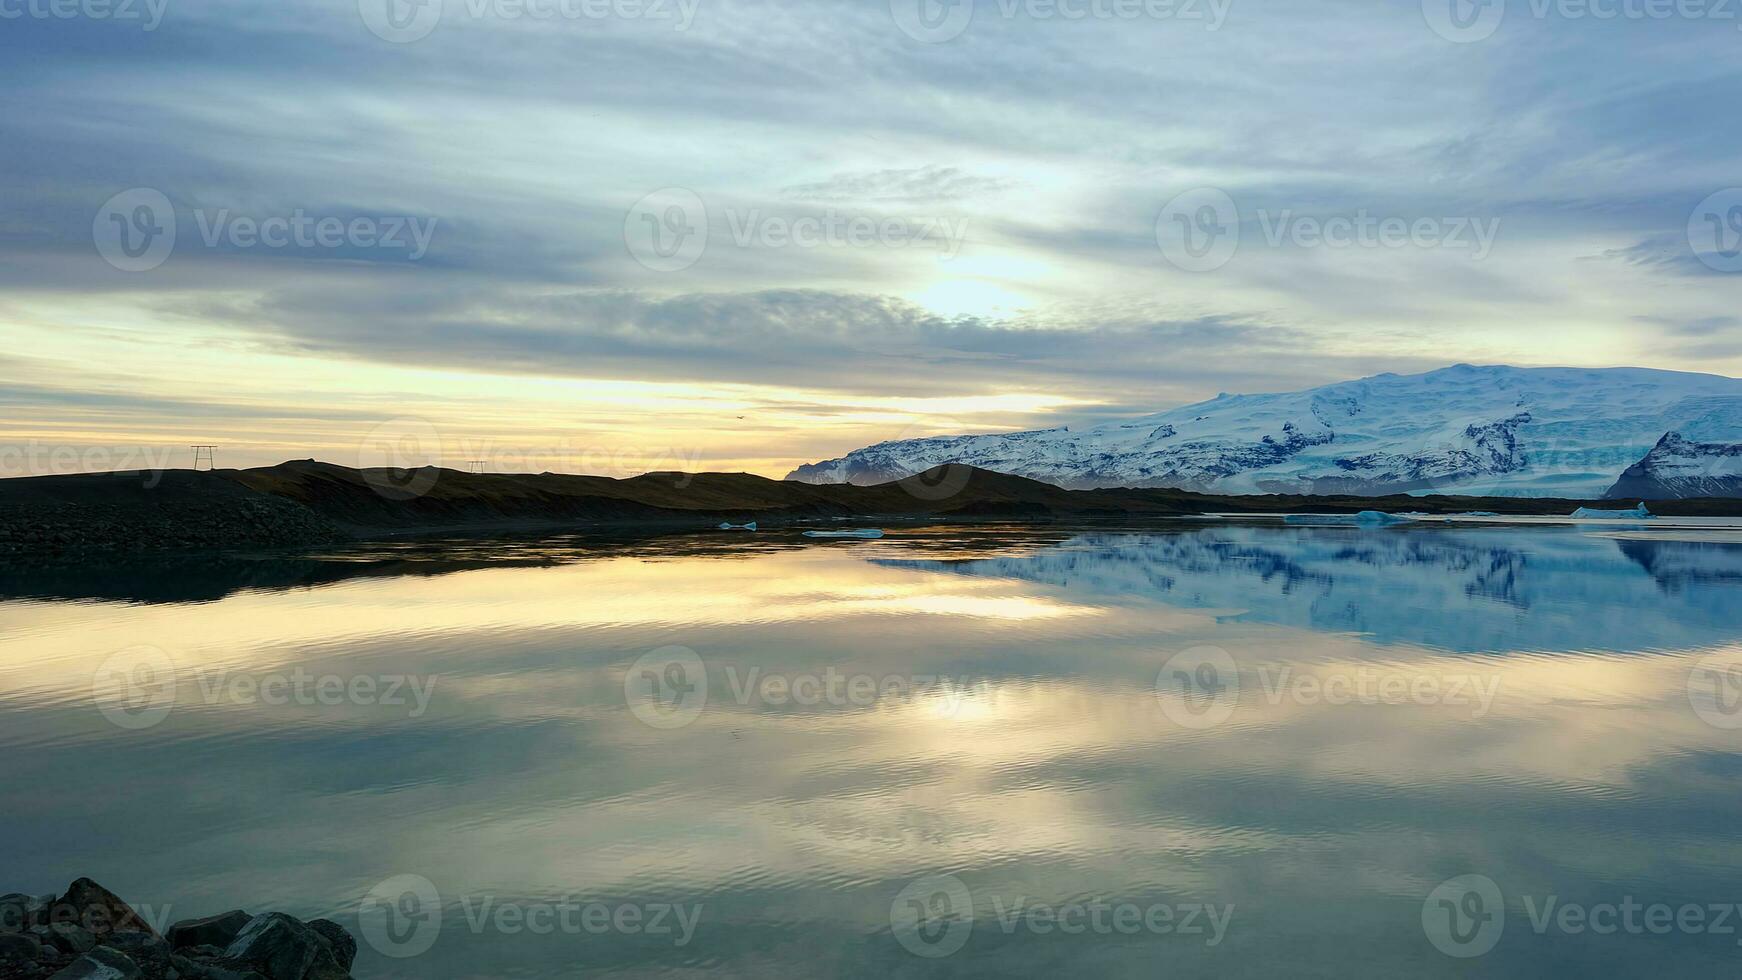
(801,338)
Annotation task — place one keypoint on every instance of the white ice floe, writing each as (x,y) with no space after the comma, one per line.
(1595,514)
(1366,518)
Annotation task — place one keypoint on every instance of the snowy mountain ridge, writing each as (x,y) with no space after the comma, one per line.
(1465,429)
(1680,467)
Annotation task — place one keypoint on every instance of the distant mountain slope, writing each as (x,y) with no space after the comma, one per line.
(1479,430)
(1679,467)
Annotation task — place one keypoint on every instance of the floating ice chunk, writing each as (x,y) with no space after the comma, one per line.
(729,526)
(867,532)
(1594,514)
(1366,518)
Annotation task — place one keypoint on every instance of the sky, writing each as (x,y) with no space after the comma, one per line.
(610,236)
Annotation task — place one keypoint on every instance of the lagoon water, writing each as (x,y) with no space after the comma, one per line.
(1192,749)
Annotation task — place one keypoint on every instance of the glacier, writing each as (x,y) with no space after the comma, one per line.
(1494,429)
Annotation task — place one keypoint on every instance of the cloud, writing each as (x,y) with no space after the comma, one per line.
(1054,144)
(1667,253)
(919,185)
(813,339)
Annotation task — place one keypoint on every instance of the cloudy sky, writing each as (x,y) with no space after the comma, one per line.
(613,235)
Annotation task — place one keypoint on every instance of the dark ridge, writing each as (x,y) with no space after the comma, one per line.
(303,503)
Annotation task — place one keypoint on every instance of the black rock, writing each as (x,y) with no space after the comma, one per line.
(18,946)
(17,912)
(277,945)
(101,963)
(151,953)
(213,930)
(97,909)
(222,971)
(90,934)
(70,937)
(202,952)
(340,953)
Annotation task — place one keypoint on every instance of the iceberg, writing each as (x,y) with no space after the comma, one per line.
(869,532)
(1594,514)
(729,526)
(1366,518)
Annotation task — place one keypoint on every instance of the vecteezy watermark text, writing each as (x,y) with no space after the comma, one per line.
(1465,917)
(668,230)
(934,917)
(669,688)
(1469,21)
(1201,230)
(403,458)
(404,21)
(1715,230)
(937,21)
(137,688)
(147,13)
(1201,687)
(403,916)
(35,458)
(137,230)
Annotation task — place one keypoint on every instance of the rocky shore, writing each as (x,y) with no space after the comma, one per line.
(44,517)
(90,934)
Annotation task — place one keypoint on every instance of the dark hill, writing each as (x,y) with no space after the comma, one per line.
(307,502)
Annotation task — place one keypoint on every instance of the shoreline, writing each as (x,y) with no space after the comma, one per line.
(307,504)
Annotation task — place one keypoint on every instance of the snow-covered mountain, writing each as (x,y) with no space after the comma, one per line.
(1680,467)
(1465,429)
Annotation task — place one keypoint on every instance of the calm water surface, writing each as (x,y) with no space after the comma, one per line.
(1201,749)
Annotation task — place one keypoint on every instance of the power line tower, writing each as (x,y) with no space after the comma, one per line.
(204,454)
(476,465)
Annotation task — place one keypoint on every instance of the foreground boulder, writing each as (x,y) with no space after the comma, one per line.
(213,930)
(90,934)
(101,963)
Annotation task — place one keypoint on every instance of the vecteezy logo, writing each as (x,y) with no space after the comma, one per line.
(933,916)
(1199,687)
(1464,916)
(401,916)
(1715,692)
(135,230)
(400,21)
(667,688)
(1464,21)
(940,482)
(135,688)
(667,230)
(932,21)
(1715,230)
(1199,230)
(401,458)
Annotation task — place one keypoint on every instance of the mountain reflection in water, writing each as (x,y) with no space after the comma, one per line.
(1473,590)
